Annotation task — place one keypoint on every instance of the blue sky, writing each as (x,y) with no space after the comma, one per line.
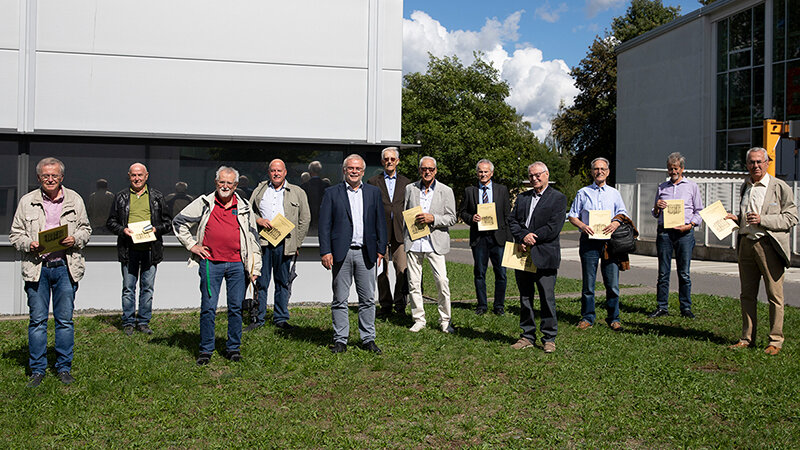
(532,43)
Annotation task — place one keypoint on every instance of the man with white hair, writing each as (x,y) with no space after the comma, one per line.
(135,204)
(226,247)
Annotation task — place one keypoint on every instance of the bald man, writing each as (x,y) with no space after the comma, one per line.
(146,209)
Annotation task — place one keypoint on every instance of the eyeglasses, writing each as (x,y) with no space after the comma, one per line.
(427,169)
(390,159)
(226,183)
(537,174)
(600,169)
(49,176)
(757,162)
(353,169)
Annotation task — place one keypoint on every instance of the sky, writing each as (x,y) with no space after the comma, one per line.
(532,43)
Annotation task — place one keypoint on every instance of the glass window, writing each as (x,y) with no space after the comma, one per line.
(758,95)
(778,30)
(739,99)
(722,46)
(778,91)
(793,29)
(722,151)
(758,35)
(793,90)
(722,101)
(9,151)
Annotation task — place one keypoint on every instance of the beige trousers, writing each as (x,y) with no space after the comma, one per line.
(414,272)
(757,260)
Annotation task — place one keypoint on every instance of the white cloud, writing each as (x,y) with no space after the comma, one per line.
(537,86)
(550,14)
(593,7)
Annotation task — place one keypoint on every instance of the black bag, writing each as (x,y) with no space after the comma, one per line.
(622,242)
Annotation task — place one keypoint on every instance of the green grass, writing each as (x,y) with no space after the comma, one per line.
(464,234)
(669,382)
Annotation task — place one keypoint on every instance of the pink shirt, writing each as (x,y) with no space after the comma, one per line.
(52,214)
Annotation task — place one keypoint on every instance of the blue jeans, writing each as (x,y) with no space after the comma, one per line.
(55,282)
(138,268)
(589,251)
(211,275)
(484,249)
(353,267)
(668,241)
(274,261)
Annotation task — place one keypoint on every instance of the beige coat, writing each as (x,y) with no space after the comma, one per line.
(295,209)
(443,208)
(778,215)
(29,220)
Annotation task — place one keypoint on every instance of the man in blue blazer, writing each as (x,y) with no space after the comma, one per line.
(352,235)
(536,222)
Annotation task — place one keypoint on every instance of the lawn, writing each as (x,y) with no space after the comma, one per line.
(669,382)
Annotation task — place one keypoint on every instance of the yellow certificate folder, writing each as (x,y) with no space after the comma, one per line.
(488,214)
(142,232)
(281,227)
(598,220)
(714,217)
(415,230)
(49,240)
(673,214)
(515,258)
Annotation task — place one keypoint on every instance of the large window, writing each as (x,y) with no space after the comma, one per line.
(786,60)
(740,86)
(8,185)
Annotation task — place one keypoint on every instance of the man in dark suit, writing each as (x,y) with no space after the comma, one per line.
(487,244)
(352,239)
(315,188)
(393,193)
(536,222)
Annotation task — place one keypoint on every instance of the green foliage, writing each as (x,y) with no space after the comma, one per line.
(460,115)
(588,128)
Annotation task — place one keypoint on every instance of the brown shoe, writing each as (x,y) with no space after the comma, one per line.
(522,343)
(584,324)
(549,347)
(739,345)
(616,326)
(772,350)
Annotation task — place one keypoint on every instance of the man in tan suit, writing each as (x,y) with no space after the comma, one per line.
(766,216)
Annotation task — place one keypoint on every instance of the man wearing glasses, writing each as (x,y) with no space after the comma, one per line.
(393,193)
(766,216)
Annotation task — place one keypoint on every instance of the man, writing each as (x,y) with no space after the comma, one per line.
(679,240)
(315,188)
(439,213)
(536,223)
(766,216)
(55,274)
(393,193)
(270,198)
(487,244)
(598,196)
(97,206)
(179,199)
(138,203)
(226,246)
(352,235)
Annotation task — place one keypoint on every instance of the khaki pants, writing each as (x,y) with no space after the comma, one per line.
(759,259)
(439,269)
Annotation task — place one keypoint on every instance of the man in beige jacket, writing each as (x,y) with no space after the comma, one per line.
(54,274)
(270,198)
(766,216)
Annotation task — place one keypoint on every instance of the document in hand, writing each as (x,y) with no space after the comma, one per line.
(281,227)
(598,220)
(142,232)
(415,230)
(488,215)
(714,217)
(673,214)
(50,240)
(515,258)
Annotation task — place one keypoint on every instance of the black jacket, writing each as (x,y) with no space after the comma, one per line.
(159,218)
(546,223)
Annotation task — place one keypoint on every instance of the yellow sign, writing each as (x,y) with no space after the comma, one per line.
(772,137)
(281,227)
(714,217)
(515,258)
(415,230)
(142,232)
(673,214)
(488,214)
(598,220)
(50,240)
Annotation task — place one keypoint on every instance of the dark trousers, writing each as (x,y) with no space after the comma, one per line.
(485,249)
(544,280)
(385,296)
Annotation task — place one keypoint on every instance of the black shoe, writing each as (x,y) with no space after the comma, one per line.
(338,347)
(383,313)
(203,359)
(65,377)
(658,313)
(234,356)
(144,328)
(253,326)
(499,311)
(687,313)
(128,329)
(480,311)
(35,380)
(371,347)
(284,326)
(400,310)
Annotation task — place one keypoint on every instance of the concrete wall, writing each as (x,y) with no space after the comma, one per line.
(664,98)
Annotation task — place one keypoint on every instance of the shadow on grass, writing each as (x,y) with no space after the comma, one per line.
(313,335)
(634,309)
(190,342)
(674,331)
(113,320)
(483,335)
(20,356)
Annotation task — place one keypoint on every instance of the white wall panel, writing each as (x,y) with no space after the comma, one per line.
(391,104)
(9,87)
(145,95)
(391,31)
(9,24)
(319,32)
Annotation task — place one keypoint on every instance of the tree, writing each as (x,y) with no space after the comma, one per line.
(460,115)
(588,128)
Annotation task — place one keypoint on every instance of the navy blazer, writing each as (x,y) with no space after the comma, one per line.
(336,223)
(546,223)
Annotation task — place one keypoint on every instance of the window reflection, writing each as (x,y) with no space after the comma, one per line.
(8,185)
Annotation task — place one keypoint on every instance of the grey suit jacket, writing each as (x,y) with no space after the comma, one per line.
(295,208)
(443,208)
(778,215)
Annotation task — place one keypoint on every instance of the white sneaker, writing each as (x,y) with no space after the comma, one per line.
(418,326)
